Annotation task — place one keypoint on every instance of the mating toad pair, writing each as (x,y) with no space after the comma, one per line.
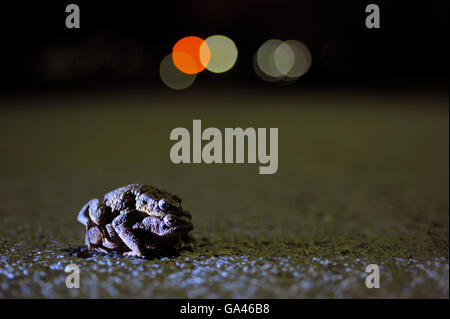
(136,220)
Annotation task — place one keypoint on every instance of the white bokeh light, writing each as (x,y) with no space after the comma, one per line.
(265,58)
(172,77)
(277,60)
(284,58)
(303,59)
(223,53)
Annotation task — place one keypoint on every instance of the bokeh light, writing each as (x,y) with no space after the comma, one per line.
(265,58)
(92,54)
(278,60)
(260,73)
(124,56)
(223,53)
(284,58)
(302,58)
(172,76)
(58,63)
(188,54)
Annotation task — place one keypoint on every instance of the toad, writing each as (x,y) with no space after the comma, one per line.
(136,220)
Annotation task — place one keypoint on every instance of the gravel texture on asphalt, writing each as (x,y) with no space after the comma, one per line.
(361,180)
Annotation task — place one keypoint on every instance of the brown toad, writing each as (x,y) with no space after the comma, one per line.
(134,220)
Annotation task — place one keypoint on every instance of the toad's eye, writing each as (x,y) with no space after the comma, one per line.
(169,220)
(146,200)
(163,205)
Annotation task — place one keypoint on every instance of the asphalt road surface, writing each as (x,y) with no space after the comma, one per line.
(362,179)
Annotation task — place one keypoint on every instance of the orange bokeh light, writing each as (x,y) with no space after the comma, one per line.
(191,54)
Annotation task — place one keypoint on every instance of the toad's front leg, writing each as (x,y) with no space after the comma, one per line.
(122,224)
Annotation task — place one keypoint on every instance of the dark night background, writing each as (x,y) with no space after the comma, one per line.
(409,51)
